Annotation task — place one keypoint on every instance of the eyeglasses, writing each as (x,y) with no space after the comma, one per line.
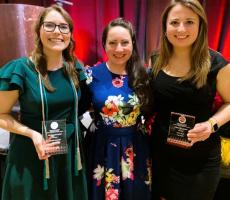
(50,27)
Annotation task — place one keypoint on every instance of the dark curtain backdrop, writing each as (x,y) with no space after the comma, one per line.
(90,17)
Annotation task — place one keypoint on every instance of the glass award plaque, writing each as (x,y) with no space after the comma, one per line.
(179,126)
(54,133)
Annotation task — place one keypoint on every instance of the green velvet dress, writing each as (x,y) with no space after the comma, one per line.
(24,176)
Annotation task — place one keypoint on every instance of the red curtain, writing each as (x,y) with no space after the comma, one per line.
(218,13)
(90,17)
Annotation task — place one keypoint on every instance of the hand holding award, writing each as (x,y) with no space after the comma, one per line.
(179,126)
(55,137)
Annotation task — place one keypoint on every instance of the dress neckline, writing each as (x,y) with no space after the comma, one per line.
(49,71)
(109,70)
(166,74)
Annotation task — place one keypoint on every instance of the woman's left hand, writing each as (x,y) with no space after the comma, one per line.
(200,132)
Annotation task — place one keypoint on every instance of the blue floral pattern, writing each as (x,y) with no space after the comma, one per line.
(117,109)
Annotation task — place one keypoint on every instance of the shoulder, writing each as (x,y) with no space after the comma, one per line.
(18,61)
(79,66)
(13,74)
(95,72)
(98,68)
(217,59)
(17,66)
(80,69)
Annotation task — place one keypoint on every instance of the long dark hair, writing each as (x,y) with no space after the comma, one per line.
(39,57)
(138,78)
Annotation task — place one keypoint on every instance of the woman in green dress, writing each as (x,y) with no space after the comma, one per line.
(47,86)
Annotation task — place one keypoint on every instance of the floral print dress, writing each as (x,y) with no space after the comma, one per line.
(119,160)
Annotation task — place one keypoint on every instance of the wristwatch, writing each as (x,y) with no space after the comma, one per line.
(214,124)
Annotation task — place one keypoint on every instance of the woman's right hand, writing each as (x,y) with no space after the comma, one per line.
(39,141)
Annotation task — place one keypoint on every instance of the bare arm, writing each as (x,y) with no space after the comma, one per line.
(203,130)
(223,84)
(7,100)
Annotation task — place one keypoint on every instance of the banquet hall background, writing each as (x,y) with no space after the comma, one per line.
(90,17)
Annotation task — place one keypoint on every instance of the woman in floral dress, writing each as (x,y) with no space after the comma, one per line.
(119,160)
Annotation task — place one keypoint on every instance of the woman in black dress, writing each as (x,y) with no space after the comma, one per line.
(186,75)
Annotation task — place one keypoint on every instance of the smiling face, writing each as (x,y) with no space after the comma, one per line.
(54,41)
(182,26)
(118,46)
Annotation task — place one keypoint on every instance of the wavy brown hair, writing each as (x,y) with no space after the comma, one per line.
(200,58)
(39,58)
(138,78)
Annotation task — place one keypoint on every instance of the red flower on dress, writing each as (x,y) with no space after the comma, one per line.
(117,125)
(110,109)
(98,182)
(129,152)
(111,194)
(118,82)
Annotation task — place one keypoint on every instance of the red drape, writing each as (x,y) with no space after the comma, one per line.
(90,17)
(218,13)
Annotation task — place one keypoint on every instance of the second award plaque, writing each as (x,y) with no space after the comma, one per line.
(179,126)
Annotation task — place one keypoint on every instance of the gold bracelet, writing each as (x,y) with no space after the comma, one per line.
(212,121)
